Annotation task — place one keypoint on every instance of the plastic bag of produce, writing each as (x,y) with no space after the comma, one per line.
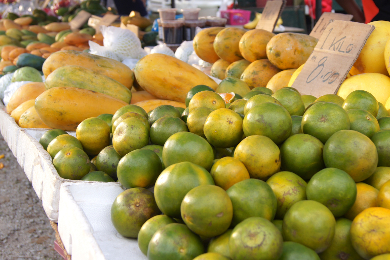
(102,51)
(130,63)
(5,81)
(193,59)
(124,43)
(204,64)
(10,90)
(163,49)
(184,51)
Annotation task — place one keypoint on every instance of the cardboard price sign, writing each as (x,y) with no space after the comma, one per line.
(131,27)
(108,19)
(79,19)
(270,15)
(325,20)
(332,58)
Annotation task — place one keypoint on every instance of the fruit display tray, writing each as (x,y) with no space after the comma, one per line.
(85,226)
(35,161)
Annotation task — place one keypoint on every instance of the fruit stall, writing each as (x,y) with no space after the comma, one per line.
(190,137)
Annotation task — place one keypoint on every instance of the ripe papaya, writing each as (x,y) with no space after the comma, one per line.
(171,81)
(105,66)
(66,107)
(81,77)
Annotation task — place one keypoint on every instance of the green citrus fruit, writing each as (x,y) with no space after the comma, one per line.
(382,143)
(258,100)
(211,256)
(131,209)
(97,176)
(180,109)
(260,155)
(309,223)
(184,146)
(382,111)
(139,168)
(360,99)
(69,159)
(93,134)
(61,142)
(107,161)
(308,100)
(251,94)
(130,134)
(220,244)
(246,197)
(268,119)
(207,99)
(128,115)
(195,90)
(174,241)
(291,100)
(207,210)
(384,123)
(302,155)
(149,228)
(157,149)
(363,122)
(228,171)
(380,177)
(288,189)
(233,85)
(129,108)
(296,125)
(263,90)
(175,182)
(48,136)
(351,152)
(332,98)
(184,115)
(164,127)
(162,111)
(106,118)
(238,106)
(323,119)
(278,224)
(341,246)
(334,188)
(223,128)
(292,251)
(255,239)
(196,119)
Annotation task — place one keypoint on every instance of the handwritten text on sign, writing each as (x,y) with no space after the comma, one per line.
(270,15)
(325,20)
(332,58)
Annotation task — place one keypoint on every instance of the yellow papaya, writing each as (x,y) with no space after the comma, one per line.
(31,119)
(80,77)
(166,77)
(66,107)
(149,105)
(290,50)
(102,65)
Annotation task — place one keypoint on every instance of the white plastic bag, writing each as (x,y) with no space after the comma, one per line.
(204,64)
(193,59)
(184,51)
(96,49)
(163,49)
(124,43)
(10,90)
(5,81)
(130,63)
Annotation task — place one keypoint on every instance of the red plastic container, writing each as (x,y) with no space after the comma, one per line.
(236,16)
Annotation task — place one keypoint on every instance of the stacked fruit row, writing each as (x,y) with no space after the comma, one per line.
(35,43)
